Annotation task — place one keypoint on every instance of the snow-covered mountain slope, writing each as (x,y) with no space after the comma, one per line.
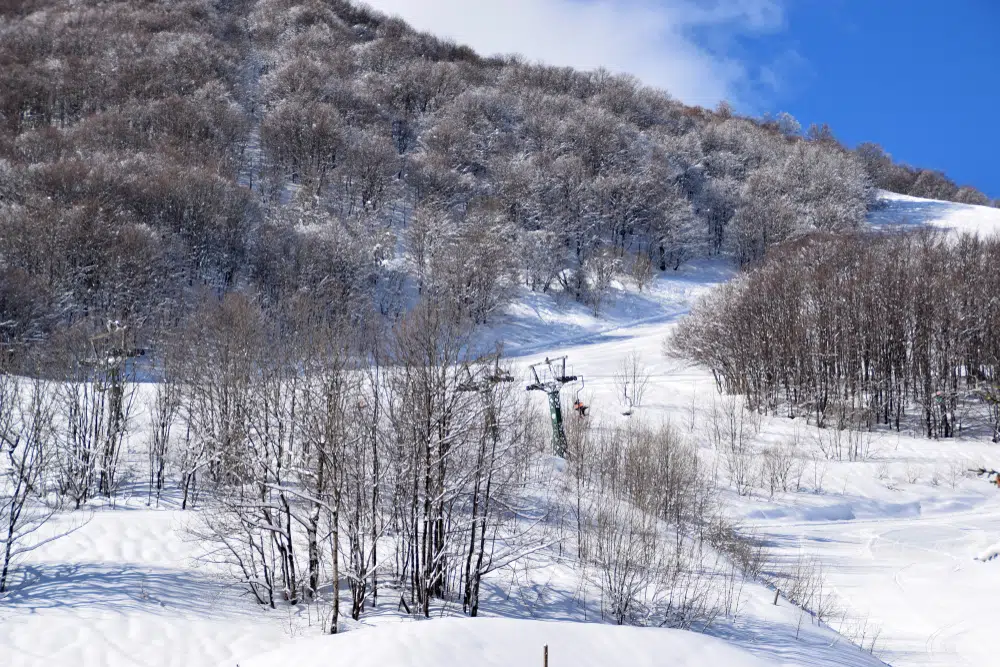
(897,535)
(904,537)
(130,586)
(905,211)
(920,577)
(537,322)
(508,643)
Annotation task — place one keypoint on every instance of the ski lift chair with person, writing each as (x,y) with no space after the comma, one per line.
(578,404)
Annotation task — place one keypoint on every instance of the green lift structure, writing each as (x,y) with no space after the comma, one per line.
(550,377)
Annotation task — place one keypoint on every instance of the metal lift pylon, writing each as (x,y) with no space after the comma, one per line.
(551,380)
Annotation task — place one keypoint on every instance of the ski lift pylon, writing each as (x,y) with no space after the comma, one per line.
(550,376)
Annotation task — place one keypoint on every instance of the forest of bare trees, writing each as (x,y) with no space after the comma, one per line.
(907,180)
(858,330)
(267,230)
(318,454)
(153,153)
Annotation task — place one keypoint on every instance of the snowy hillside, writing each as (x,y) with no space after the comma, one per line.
(327,341)
(899,543)
(905,211)
(537,322)
(125,588)
(130,586)
(905,538)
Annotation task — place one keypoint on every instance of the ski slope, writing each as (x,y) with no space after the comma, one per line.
(908,539)
(908,542)
(906,212)
(917,576)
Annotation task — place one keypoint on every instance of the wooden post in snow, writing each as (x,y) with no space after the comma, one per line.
(545,656)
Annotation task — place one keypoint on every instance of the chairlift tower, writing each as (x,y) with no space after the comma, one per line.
(550,376)
(482,384)
(111,351)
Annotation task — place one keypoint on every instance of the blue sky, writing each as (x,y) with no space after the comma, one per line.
(917,76)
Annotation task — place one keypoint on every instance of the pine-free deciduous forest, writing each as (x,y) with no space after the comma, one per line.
(156,155)
(250,251)
(858,329)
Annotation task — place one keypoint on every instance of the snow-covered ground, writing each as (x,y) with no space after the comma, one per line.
(916,576)
(508,642)
(905,211)
(907,538)
(907,541)
(125,588)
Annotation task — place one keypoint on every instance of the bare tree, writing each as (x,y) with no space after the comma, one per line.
(631,561)
(163,408)
(95,406)
(631,380)
(894,331)
(600,270)
(329,447)
(732,432)
(433,422)
(26,437)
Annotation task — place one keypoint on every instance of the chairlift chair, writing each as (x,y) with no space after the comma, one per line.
(992,476)
(578,405)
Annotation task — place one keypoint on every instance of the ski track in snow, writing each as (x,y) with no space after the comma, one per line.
(936,604)
(126,586)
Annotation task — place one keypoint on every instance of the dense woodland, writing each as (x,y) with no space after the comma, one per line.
(857,330)
(156,154)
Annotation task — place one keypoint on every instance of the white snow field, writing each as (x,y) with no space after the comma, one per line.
(125,589)
(493,642)
(906,541)
(906,211)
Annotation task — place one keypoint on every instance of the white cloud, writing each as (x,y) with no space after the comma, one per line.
(682,46)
